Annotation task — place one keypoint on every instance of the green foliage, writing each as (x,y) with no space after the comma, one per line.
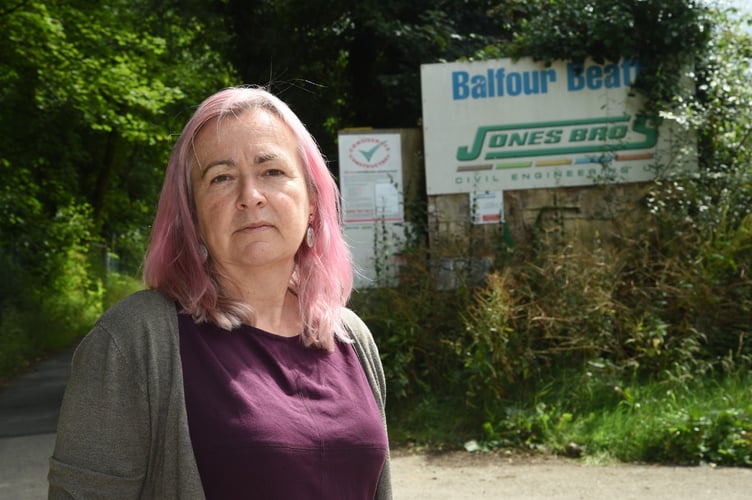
(49,305)
(495,357)
(97,86)
(436,420)
(720,437)
(91,92)
(704,421)
(118,286)
(660,302)
(15,346)
(531,319)
(72,296)
(608,30)
(415,326)
(521,429)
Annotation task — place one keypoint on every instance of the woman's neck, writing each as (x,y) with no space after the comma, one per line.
(276,307)
(280,316)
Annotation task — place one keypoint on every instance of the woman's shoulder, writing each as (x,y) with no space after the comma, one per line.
(356,326)
(359,331)
(139,310)
(145,319)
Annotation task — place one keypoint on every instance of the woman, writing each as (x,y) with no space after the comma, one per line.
(240,374)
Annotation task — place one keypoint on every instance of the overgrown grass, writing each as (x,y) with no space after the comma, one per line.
(434,422)
(515,367)
(703,420)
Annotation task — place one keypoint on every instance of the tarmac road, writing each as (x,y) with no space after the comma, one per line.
(29,409)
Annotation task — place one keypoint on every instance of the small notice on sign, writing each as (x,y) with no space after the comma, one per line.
(371,178)
(487,207)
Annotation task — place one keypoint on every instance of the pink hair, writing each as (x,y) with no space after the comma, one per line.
(176,261)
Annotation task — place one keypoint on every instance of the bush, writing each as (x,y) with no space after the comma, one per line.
(416,328)
(53,294)
(118,286)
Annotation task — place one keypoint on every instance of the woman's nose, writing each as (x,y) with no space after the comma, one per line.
(250,194)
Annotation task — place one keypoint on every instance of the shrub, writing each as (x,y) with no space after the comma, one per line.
(48,305)
(416,327)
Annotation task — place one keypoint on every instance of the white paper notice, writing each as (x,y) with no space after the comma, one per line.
(371,178)
(488,207)
(387,200)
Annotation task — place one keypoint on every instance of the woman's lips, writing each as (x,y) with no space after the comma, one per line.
(256,226)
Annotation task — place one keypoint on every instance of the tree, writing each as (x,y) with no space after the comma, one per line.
(100,87)
(92,92)
(352,64)
(666,36)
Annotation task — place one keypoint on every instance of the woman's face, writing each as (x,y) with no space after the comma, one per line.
(250,191)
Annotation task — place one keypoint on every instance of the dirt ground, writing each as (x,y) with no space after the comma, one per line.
(481,476)
(460,476)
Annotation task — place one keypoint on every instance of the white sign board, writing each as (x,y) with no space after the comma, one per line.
(487,207)
(370,170)
(500,124)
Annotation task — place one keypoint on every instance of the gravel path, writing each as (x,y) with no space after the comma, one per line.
(481,476)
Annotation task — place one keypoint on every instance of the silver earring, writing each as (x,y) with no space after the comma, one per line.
(309,237)
(203,252)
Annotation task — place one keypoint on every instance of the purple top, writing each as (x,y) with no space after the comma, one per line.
(272,419)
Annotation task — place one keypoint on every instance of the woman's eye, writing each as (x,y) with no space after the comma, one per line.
(220,178)
(273,172)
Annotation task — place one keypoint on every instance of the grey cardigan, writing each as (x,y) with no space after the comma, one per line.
(123,428)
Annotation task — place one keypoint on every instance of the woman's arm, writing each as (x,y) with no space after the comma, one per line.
(102,445)
(368,354)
